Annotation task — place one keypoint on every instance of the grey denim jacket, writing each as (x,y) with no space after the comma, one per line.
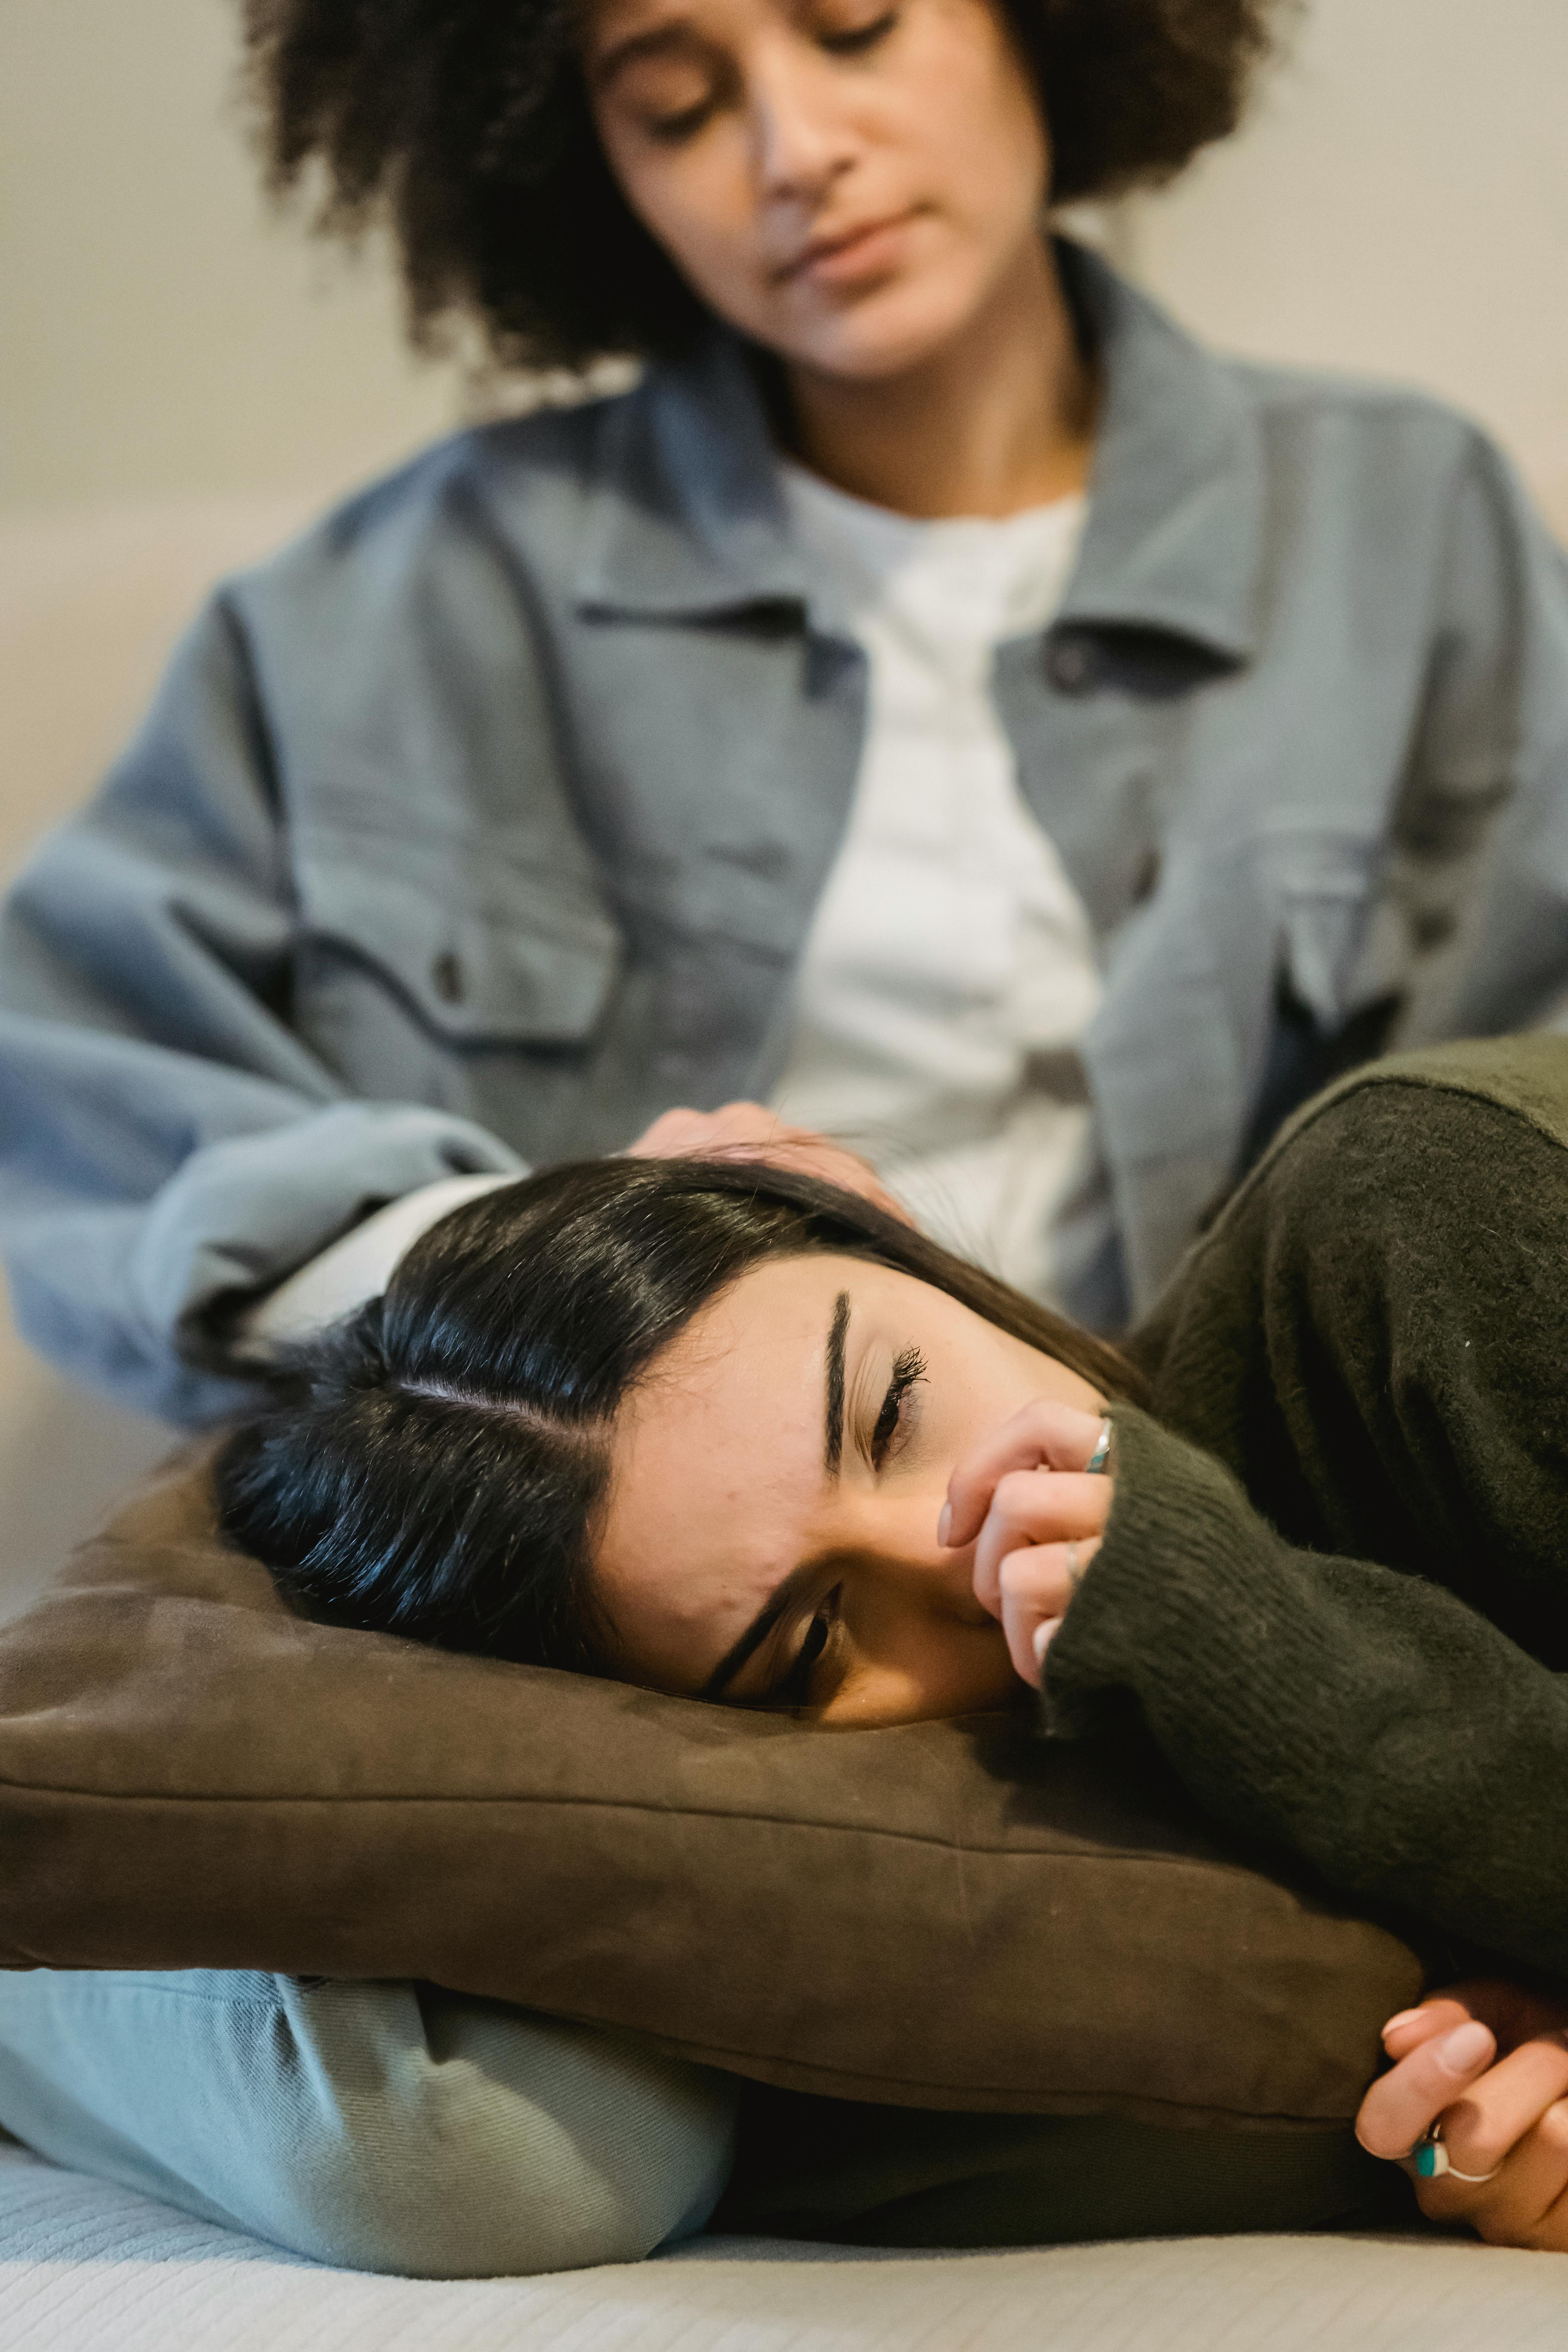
(487,820)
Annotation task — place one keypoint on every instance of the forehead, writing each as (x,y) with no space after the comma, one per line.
(718,1458)
(607,23)
(741,1388)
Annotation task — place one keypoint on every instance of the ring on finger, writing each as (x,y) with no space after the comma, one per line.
(1075,1567)
(1428,2159)
(1099,1459)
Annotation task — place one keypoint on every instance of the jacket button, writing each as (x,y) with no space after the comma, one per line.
(1070,665)
(448,978)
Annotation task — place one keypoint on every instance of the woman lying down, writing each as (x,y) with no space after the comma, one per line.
(732,1432)
(725,1430)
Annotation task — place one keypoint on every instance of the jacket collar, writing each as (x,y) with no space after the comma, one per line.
(685,519)
(1175,512)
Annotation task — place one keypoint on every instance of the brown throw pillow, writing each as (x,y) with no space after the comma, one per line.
(947,1915)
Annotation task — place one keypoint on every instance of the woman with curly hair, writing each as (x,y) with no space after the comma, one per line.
(938,701)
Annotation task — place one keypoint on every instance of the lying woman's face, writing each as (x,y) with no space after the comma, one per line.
(771,1532)
(848,182)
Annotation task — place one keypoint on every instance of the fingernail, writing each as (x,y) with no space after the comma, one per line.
(1464,2048)
(944,1524)
(1042,1637)
(1406,2017)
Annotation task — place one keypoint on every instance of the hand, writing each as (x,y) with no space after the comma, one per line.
(744,1131)
(1491,2060)
(1039,1516)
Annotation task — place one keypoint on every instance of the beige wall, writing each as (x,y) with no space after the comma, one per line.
(1399,205)
(159,335)
(179,381)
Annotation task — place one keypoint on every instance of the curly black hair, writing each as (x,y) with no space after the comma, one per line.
(467,124)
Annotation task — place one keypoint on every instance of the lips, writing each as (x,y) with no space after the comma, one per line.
(845,248)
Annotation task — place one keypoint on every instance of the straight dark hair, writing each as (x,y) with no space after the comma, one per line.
(435,1465)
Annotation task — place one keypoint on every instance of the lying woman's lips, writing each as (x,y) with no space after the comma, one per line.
(864,252)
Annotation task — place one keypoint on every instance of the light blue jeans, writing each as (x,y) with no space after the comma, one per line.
(379,2127)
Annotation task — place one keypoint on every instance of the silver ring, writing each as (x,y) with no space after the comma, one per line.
(1075,1567)
(1101,1454)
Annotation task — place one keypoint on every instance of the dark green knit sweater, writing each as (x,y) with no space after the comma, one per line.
(1366,1663)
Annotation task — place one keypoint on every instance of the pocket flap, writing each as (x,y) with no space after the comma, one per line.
(1320,885)
(487,950)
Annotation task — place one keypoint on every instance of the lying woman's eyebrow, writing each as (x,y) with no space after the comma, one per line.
(833,1416)
(779,1602)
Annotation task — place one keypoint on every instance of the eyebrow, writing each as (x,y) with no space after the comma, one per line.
(833,1418)
(658,41)
(779,1600)
(788,1587)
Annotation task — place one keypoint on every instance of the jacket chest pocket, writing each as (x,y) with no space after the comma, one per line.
(414,956)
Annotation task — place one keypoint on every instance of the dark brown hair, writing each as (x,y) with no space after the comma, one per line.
(435,1465)
(465,123)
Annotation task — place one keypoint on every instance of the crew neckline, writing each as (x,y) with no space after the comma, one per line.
(811,489)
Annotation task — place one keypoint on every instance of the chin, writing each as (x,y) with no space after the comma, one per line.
(893,332)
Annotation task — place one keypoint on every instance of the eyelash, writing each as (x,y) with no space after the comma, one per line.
(795,1688)
(671,129)
(862,37)
(908,1371)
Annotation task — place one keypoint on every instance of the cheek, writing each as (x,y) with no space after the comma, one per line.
(994,165)
(695,202)
(943,1671)
(972,106)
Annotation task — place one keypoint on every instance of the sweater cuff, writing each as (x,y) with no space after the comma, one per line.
(1174,1509)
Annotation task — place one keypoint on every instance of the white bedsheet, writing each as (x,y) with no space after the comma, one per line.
(88,2268)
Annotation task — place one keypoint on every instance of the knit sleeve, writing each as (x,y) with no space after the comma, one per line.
(1357,1715)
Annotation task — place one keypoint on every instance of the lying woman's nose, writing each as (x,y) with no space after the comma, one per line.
(928,1578)
(919,1643)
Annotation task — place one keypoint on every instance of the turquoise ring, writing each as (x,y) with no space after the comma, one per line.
(1101,1454)
(1430,2160)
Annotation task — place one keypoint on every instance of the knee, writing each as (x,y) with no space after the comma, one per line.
(380,2128)
(503,2145)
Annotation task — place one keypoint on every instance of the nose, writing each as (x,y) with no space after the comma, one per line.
(800,142)
(921,1642)
(916,1575)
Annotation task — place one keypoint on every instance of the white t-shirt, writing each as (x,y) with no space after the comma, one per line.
(951,969)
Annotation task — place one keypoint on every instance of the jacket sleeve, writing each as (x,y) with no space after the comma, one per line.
(168,1143)
(1352,1715)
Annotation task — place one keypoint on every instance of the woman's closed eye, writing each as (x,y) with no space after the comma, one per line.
(894,1423)
(671,120)
(798,1686)
(848,40)
(671,129)
(678,110)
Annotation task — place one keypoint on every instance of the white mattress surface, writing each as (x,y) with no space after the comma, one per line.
(85,2267)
